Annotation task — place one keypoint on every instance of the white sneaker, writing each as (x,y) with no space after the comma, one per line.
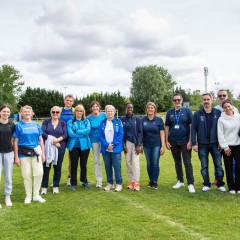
(191,188)
(238,192)
(222,189)
(109,187)
(44,191)
(8,201)
(55,190)
(0,206)
(118,188)
(232,192)
(69,181)
(28,200)
(178,185)
(38,198)
(98,185)
(205,189)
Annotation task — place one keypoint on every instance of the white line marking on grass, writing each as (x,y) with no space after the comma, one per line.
(165,219)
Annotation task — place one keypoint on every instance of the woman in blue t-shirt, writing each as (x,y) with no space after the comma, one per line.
(95,119)
(29,153)
(153,142)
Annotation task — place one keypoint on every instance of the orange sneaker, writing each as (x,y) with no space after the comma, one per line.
(136,187)
(131,185)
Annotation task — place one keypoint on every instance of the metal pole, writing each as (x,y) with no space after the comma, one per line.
(205,74)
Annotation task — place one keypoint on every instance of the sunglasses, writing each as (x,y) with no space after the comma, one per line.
(224,95)
(55,112)
(177,100)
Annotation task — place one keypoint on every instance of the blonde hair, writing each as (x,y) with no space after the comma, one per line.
(55,107)
(25,107)
(151,104)
(80,107)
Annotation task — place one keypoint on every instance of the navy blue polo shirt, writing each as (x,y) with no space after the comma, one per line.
(182,118)
(151,131)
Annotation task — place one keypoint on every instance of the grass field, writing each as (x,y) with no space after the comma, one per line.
(165,213)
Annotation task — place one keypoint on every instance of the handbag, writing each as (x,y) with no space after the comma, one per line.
(26,151)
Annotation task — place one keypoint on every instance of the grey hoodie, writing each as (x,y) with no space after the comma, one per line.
(228,128)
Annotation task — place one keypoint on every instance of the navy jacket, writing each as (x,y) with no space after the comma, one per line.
(199,128)
(136,129)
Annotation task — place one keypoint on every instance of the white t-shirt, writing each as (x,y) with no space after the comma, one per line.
(109,132)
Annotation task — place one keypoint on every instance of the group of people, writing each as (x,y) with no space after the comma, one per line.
(36,148)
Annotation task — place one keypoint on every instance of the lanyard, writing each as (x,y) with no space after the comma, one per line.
(177,115)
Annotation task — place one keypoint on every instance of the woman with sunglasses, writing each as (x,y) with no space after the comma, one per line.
(55,139)
(79,145)
(6,151)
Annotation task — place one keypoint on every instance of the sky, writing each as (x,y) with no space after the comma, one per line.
(83,46)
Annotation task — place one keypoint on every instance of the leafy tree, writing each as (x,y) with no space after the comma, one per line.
(151,83)
(196,100)
(41,100)
(10,86)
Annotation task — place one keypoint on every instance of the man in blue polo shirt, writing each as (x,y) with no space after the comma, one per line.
(204,128)
(178,140)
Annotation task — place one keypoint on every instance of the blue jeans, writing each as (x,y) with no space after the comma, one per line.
(57,170)
(152,156)
(203,152)
(113,160)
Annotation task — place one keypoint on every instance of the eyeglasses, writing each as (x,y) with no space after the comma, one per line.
(55,112)
(177,100)
(224,95)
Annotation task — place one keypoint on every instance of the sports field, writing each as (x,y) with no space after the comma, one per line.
(165,213)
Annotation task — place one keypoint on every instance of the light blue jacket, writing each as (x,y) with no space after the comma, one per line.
(79,129)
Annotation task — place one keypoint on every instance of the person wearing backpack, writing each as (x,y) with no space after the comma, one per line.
(55,140)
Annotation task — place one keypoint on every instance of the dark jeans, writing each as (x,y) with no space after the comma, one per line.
(203,153)
(75,154)
(57,170)
(113,160)
(181,148)
(152,156)
(228,162)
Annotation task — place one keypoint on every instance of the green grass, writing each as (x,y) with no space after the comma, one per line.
(165,213)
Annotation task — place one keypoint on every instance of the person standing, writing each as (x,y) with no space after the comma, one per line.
(178,139)
(222,95)
(79,145)
(55,139)
(67,113)
(111,137)
(29,154)
(229,141)
(204,128)
(132,126)
(6,151)
(153,142)
(95,119)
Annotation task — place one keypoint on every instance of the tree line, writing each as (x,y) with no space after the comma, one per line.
(149,83)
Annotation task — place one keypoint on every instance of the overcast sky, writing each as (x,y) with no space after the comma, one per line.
(91,46)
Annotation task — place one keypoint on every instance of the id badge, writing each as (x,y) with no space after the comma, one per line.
(176,126)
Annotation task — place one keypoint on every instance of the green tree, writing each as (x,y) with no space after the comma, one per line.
(41,100)
(10,86)
(151,83)
(196,100)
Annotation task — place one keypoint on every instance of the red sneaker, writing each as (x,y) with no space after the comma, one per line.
(131,185)
(136,187)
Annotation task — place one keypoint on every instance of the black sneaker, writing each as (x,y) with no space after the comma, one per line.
(150,184)
(155,185)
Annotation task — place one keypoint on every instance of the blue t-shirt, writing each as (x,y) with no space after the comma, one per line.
(28,134)
(151,131)
(66,114)
(95,123)
(178,123)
